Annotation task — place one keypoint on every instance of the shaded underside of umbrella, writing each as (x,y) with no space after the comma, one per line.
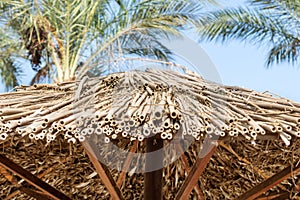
(228,175)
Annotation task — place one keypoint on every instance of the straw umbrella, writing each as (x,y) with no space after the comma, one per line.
(153,108)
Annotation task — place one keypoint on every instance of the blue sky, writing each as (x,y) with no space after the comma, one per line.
(243,65)
(238,64)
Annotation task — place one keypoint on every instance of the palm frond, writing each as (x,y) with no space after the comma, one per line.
(241,24)
(284,51)
(280,6)
(140,24)
(71,32)
(251,25)
(288,10)
(9,72)
(10,52)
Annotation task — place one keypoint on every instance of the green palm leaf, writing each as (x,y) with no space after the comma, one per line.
(9,72)
(273,23)
(10,51)
(80,34)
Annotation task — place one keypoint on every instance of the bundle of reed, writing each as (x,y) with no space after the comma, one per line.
(152,103)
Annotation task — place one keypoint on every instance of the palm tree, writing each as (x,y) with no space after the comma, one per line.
(272,23)
(10,72)
(62,38)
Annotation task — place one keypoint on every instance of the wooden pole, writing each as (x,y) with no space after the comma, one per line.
(154,179)
(270,182)
(188,169)
(104,173)
(206,153)
(21,188)
(33,180)
(127,164)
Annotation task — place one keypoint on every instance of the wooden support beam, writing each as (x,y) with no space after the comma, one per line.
(104,173)
(35,194)
(188,169)
(285,195)
(154,179)
(279,196)
(40,175)
(33,180)
(127,163)
(256,169)
(13,181)
(270,182)
(208,149)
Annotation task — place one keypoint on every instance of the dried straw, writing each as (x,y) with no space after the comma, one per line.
(132,105)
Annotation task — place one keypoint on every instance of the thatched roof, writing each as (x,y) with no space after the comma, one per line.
(133,105)
(125,107)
